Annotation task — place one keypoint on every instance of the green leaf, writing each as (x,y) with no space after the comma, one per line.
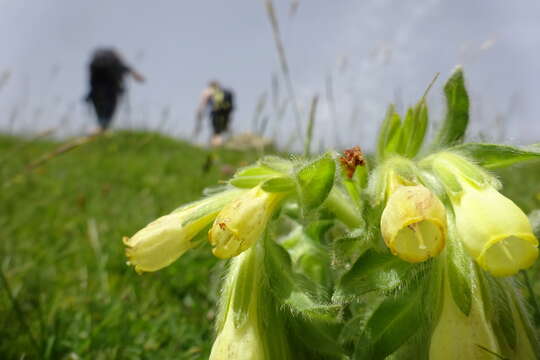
(459,269)
(309,256)
(504,322)
(292,289)
(494,156)
(315,180)
(244,286)
(523,314)
(396,320)
(316,336)
(279,184)
(252,176)
(356,185)
(360,177)
(374,271)
(276,163)
(497,307)
(352,329)
(388,132)
(457,117)
(448,178)
(414,129)
(347,250)
(316,230)
(394,142)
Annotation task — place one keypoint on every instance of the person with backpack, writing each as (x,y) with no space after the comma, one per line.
(107,71)
(219,102)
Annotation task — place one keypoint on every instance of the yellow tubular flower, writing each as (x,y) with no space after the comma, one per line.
(241,342)
(413,223)
(458,336)
(164,240)
(242,222)
(249,324)
(495,232)
(239,326)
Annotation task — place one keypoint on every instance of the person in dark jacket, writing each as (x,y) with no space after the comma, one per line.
(107,71)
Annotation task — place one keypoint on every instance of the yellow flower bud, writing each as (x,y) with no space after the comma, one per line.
(413,223)
(164,240)
(239,321)
(242,222)
(241,342)
(495,232)
(458,336)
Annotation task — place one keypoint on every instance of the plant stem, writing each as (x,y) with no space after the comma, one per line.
(342,207)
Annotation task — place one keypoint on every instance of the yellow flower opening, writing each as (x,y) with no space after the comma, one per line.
(494,230)
(242,222)
(166,239)
(413,223)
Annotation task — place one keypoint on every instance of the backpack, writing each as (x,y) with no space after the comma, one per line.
(222,100)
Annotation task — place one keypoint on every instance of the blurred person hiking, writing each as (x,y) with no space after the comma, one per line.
(107,71)
(219,103)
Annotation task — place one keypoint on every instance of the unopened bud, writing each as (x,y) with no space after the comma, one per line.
(240,223)
(460,336)
(166,239)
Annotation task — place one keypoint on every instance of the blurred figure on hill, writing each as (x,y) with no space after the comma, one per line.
(107,71)
(219,103)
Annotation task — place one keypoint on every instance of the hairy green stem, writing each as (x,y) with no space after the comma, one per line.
(343,208)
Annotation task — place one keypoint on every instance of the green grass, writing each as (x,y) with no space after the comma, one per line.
(61,251)
(61,227)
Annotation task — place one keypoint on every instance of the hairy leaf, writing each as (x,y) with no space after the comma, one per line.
(315,180)
(414,129)
(395,321)
(279,184)
(455,124)
(494,156)
(497,307)
(252,176)
(276,163)
(319,336)
(459,269)
(374,271)
(294,290)
(389,130)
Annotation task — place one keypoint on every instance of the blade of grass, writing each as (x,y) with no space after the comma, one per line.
(62,149)
(311,121)
(18,310)
(333,112)
(284,64)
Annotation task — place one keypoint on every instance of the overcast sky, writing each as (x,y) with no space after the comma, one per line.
(372,52)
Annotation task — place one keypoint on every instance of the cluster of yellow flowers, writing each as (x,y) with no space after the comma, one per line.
(493,230)
(445,190)
(443,209)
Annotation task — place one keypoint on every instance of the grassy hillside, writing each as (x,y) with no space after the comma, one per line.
(60,249)
(61,227)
